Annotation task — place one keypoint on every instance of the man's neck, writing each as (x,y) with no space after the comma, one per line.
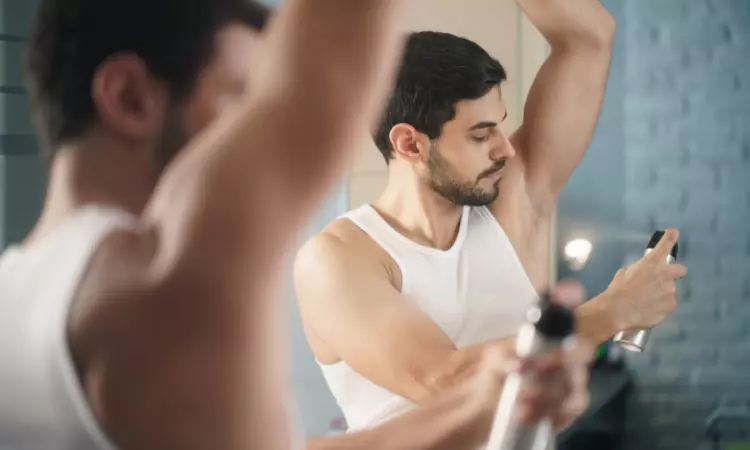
(94,174)
(418,212)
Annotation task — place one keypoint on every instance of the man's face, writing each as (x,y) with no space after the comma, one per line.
(220,86)
(465,164)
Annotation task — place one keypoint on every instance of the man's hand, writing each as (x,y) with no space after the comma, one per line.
(560,387)
(568,371)
(645,293)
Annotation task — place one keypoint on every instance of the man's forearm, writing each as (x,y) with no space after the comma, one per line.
(595,319)
(595,323)
(365,440)
(458,421)
(326,68)
(460,367)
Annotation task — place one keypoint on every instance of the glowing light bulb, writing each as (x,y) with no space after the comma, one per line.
(577,252)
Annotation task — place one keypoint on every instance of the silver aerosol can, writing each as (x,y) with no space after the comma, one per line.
(547,328)
(636,340)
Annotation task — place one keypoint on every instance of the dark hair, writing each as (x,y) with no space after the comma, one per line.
(438,71)
(71,38)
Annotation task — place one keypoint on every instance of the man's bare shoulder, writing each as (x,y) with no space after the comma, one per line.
(343,246)
(341,240)
(324,269)
(117,276)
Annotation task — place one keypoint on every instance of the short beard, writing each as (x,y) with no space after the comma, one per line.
(443,180)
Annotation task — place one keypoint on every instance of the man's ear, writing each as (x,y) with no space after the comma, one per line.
(126,98)
(407,142)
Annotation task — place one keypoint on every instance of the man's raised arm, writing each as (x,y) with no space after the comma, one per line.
(565,99)
(200,364)
(260,172)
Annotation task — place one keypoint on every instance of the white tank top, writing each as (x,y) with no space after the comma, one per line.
(475,291)
(42,405)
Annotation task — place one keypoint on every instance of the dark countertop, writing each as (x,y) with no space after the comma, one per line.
(605,386)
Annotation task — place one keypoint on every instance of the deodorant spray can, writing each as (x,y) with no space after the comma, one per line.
(636,340)
(547,328)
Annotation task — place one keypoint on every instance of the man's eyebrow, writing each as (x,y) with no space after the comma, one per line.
(483,125)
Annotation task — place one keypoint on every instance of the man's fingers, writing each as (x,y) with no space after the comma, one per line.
(549,362)
(677,271)
(500,362)
(572,409)
(580,353)
(544,396)
(665,245)
(578,402)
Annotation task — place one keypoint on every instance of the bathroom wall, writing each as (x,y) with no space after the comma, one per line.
(673,149)
(21,170)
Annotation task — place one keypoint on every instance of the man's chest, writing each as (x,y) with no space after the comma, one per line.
(481,293)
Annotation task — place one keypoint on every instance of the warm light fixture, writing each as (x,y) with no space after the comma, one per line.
(577,252)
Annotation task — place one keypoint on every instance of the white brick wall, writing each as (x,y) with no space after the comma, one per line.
(687,153)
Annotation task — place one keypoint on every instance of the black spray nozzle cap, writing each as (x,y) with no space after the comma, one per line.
(552,320)
(656,237)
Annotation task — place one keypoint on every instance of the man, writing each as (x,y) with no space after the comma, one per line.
(400,298)
(139,313)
